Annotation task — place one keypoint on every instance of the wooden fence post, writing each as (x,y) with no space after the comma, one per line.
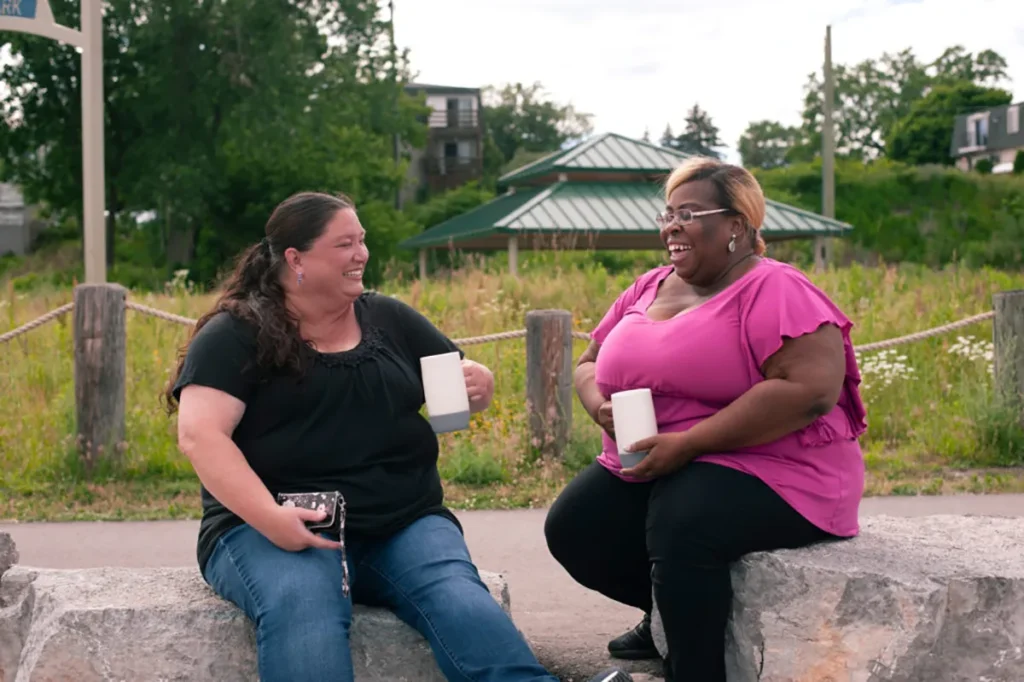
(1008,346)
(100,371)
(549,385)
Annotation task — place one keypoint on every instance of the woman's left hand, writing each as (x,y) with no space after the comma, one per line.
(479,384)
(666,453)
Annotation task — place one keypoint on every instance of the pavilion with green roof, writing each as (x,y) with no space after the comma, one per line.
(602,194)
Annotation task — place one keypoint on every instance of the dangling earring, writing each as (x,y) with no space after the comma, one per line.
(732,244)
(299,279)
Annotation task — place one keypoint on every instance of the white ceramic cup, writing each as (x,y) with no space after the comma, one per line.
(634,419)
(444,386)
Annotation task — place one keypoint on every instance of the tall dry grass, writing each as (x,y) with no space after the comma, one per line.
(930,403)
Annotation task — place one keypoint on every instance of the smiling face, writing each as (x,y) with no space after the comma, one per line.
(332,267)
(699,251)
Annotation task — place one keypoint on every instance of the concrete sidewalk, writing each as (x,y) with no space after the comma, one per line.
(568,625)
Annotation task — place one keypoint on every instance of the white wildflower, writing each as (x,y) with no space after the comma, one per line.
(179,283)
(974,350)
(884,368)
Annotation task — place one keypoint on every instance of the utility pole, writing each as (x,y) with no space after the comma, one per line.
(828,157)
(394,81)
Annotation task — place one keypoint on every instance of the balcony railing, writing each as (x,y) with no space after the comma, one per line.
(459,119)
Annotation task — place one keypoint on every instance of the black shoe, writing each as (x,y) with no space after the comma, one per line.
(635,645)
(612,675)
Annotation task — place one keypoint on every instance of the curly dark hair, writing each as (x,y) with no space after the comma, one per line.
(253,292)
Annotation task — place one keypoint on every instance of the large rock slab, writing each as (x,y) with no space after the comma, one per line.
(166,625)
(8,553)
(927,599)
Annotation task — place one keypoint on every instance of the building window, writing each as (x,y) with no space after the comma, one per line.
(1013,120)
(977,130)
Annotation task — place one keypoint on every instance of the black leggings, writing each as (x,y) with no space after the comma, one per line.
(681,533)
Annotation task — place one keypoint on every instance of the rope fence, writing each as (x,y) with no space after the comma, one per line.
(160,314)
(100,334)
(499,336)
(38,322)
(927,333)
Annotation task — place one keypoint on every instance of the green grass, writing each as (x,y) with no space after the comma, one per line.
(935,426)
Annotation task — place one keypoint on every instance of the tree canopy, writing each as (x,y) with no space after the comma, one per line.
(873,99)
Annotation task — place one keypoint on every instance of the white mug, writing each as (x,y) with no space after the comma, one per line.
(444,386)
(634,419)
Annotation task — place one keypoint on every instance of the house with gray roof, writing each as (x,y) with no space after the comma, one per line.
(994,134)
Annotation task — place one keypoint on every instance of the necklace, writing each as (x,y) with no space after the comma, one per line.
(729,269)
(722,276)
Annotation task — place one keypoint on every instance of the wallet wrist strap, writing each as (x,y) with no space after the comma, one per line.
(345,589)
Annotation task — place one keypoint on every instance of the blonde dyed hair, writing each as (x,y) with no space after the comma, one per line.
(735,187)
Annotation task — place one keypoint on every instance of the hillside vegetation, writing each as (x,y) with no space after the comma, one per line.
(931,215)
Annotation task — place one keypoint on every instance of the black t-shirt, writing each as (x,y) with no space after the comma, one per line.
(351,422)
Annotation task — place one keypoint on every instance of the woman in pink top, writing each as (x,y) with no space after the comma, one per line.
(755,386)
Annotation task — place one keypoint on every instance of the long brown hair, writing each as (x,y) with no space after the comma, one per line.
(253,292)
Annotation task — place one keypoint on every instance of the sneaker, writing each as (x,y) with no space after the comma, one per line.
(612,675)
(635,645)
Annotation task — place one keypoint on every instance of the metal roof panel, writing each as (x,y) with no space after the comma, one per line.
(605,152)
(480,220)
(598,207)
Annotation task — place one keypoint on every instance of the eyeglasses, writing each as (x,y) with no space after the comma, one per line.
(685,216)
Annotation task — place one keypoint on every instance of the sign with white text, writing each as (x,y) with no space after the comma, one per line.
(22,9)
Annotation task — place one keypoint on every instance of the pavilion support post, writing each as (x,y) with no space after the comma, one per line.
(822,253)
(513,256)
(423,264)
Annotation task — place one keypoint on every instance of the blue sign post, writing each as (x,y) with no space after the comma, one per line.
(22,9)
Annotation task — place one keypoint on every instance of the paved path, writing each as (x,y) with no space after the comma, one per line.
(566,623)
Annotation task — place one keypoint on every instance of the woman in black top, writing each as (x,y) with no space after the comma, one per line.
(298,381)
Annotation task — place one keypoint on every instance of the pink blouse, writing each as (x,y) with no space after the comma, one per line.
(703,359)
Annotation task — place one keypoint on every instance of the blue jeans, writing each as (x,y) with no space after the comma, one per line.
(423,574)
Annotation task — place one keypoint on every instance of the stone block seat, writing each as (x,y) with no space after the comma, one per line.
(164,625)
(927,599)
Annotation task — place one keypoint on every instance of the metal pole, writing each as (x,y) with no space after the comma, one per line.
(93,164)
(828,155)
(828,160)
(396,147)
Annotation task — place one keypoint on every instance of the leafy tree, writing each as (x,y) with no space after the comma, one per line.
(449,204)
(522,158)
(1018,163)
(870,97)
(667,138)
(923,136)
(215,112)
(41,107)
(766,144)
(956,64)
(700,137)
(520,117)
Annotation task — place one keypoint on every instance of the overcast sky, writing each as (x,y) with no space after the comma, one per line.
(637,64)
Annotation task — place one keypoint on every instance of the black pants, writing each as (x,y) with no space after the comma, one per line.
(681,533)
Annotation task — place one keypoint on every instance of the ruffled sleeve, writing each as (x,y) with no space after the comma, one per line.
(788,305)
(626,299)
